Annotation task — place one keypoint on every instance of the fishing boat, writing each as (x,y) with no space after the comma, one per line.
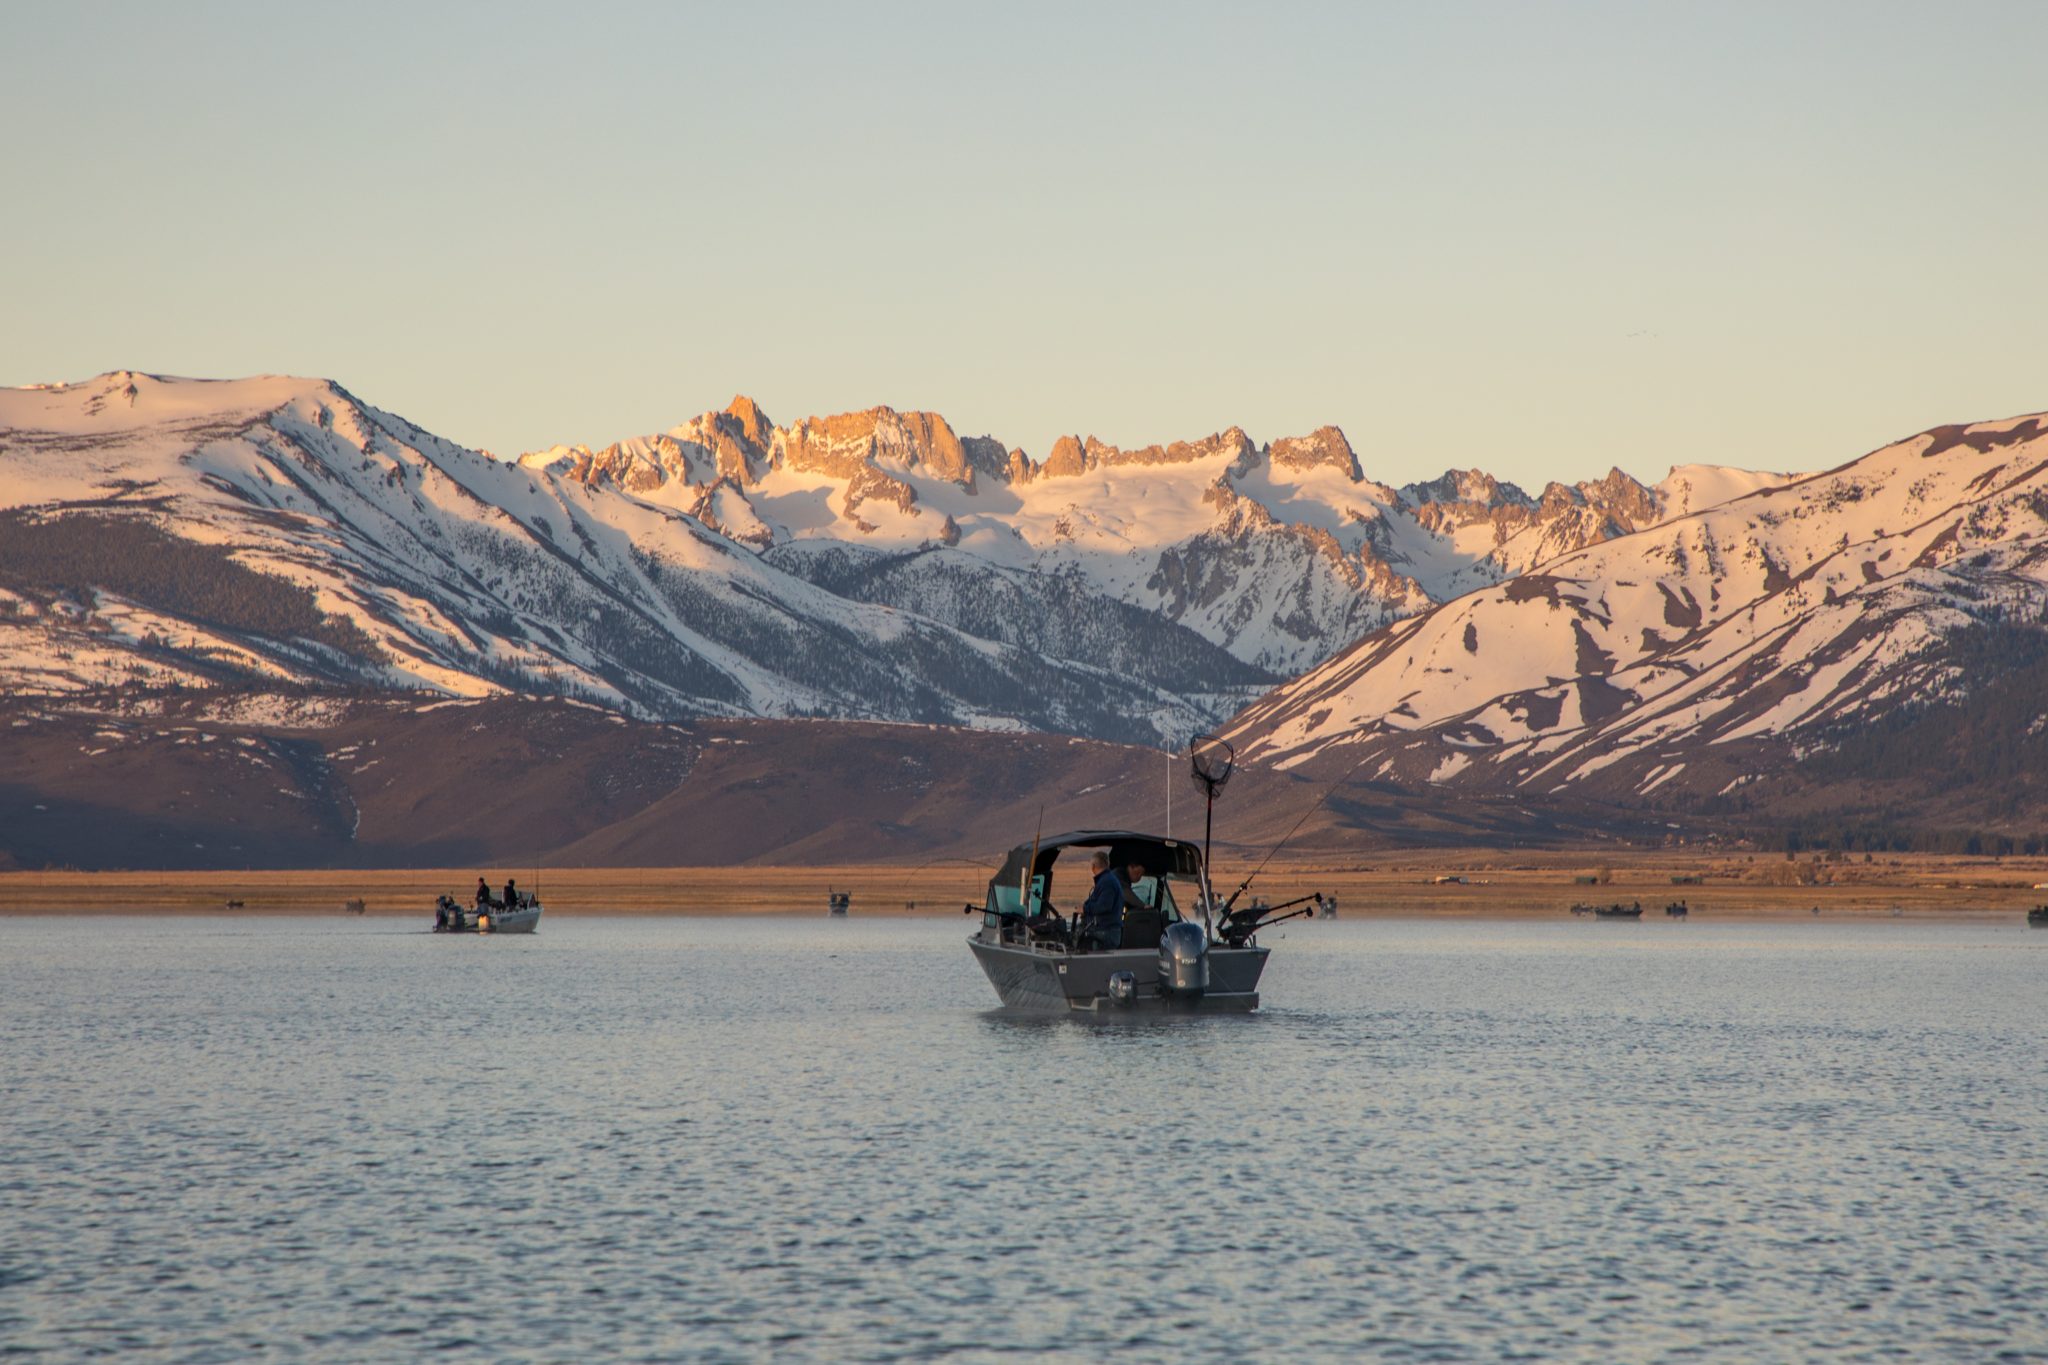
(1036,958)
(1166,960)
(1678,910)
(837,902)
(2037,918)
(1618,911)
(492,917)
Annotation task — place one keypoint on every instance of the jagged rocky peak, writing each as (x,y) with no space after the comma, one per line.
(640,466)
(1067,458)
(1618,496)
(739,439)
(843,445)
(1071,455)
(1325,447)
(750,423)
(1622,497)
(1232,443)
(1474,488)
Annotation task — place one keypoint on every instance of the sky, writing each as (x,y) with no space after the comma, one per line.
(1536,238)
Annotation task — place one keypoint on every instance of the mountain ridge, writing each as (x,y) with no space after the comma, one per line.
(1745,653)
(1696,655)
(1337,553)
(1190,574)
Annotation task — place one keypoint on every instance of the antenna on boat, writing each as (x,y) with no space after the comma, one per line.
(1213,762)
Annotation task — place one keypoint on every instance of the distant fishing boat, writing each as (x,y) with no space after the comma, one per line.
(491,917)
(2037,918)
(1678,910)
(1620,911)
(837,902)
(352,907)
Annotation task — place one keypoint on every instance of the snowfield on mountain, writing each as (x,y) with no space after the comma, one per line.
(1649,660)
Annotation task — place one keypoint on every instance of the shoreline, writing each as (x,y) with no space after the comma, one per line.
(1726,915)
(1495,885)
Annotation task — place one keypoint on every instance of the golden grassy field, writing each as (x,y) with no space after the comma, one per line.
(1396,883)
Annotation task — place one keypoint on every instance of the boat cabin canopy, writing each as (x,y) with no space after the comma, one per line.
(1160,858)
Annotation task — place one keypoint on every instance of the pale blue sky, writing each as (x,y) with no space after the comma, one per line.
(1539,238)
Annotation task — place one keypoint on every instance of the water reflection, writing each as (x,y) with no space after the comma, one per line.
(652,1139)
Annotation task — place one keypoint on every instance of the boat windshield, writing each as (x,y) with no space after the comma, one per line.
(1157,892)
(1006,900)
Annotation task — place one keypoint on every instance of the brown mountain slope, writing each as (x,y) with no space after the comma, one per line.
(182,780)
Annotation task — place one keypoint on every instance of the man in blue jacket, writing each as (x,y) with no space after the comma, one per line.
(1102,914)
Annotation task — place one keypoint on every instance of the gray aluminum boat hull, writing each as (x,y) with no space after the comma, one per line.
(1057,982)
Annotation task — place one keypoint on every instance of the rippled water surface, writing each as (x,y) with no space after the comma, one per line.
(706,1139)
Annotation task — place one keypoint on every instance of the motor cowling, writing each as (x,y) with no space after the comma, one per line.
(1183,959)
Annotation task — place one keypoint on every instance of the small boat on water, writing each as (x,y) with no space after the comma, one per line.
(1163,960)
(1036,958)
(1620,911)
(1678,910)
(2037,918)
(837,902)
(1326,906)
(352,906)
(490,917)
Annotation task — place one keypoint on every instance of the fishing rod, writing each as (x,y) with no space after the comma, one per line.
(1238,932)
(1250,920)
(1251,876)
(1283,905)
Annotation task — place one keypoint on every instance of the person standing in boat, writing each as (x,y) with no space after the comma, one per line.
(511,894)
(483,894)
(1102,914)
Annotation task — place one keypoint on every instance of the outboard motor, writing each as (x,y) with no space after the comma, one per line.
(1183,959)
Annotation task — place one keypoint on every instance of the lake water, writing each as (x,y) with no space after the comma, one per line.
(726,1139)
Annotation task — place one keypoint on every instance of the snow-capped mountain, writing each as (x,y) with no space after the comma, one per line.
(186,532)
(869,565)
(1721,645)
(1693,656)
(1281,553)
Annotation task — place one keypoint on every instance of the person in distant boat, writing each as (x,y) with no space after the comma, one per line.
(511,895)
(1102,914)
(483,893)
